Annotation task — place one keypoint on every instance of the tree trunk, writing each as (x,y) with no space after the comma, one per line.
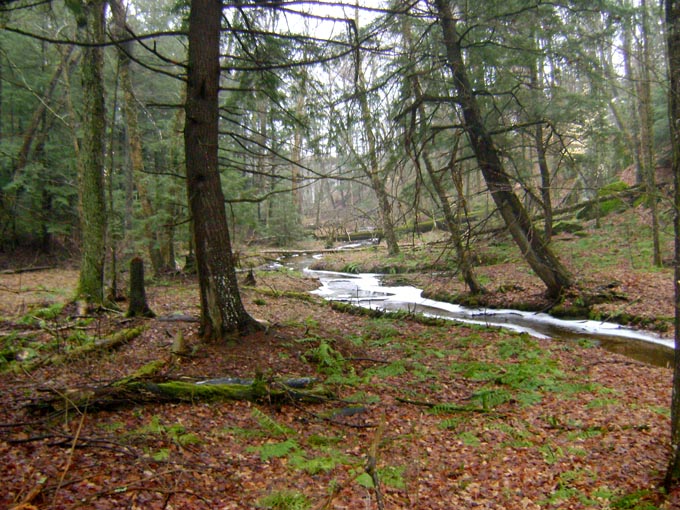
(673,41)
(145,387)
(91,161)
(546,200)
(453,221)
(531,244)
(39,113)
(137,304)
(647,133)
(222,311)
(540,146)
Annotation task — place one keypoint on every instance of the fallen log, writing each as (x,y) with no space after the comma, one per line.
(145,387)
(26,269)
(114,341)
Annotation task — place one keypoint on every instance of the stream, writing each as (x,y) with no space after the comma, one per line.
(368,291)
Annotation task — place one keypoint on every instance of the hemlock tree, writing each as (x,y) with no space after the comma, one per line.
(532,245)
(222,310)
(452,218)
(673,39)
(89,16)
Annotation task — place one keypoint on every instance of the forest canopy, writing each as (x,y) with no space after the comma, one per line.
(328,107)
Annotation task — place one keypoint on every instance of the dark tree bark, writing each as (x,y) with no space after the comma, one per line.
(90,21)
(137,304)
(222,310)
(673,41)
(530,242)
(453,220)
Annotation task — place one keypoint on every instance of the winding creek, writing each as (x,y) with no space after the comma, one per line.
(368,291)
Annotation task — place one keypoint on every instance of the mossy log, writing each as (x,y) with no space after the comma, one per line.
(375,313)
(131,391)
(117,339)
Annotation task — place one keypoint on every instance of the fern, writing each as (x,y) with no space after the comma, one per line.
(448,408)
(161,455)
(352,268)
(519,346)
(271,426)
(393,476)
(155,427)
(392,370)
(275,450)
(326,357)
(315,465)
(285,500)
(469,439)
(477,370)
(491,398)
(187,439)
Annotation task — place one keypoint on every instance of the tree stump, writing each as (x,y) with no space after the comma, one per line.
(138,306)
(249,280)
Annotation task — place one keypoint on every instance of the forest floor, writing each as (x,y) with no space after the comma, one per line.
(425,415)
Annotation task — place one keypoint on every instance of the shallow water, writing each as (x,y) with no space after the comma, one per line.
(367,290)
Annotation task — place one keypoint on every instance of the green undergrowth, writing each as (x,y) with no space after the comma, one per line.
(290,294)
(521,372)
(47,337)
(373,313)
(311,454)
(158,436)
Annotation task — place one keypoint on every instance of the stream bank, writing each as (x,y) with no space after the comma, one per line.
(368,291)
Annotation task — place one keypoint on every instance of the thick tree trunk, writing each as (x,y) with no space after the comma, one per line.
(222,311)
(531,244)
(673,40)
(91,163)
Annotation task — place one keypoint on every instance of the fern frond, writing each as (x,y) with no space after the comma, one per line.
(270,425)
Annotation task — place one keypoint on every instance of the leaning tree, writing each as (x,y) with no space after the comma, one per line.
(531,243)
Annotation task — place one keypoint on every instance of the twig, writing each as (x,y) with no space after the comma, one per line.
(70,457)
(371,463)
(372,360)
(330,420)
(449,407)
